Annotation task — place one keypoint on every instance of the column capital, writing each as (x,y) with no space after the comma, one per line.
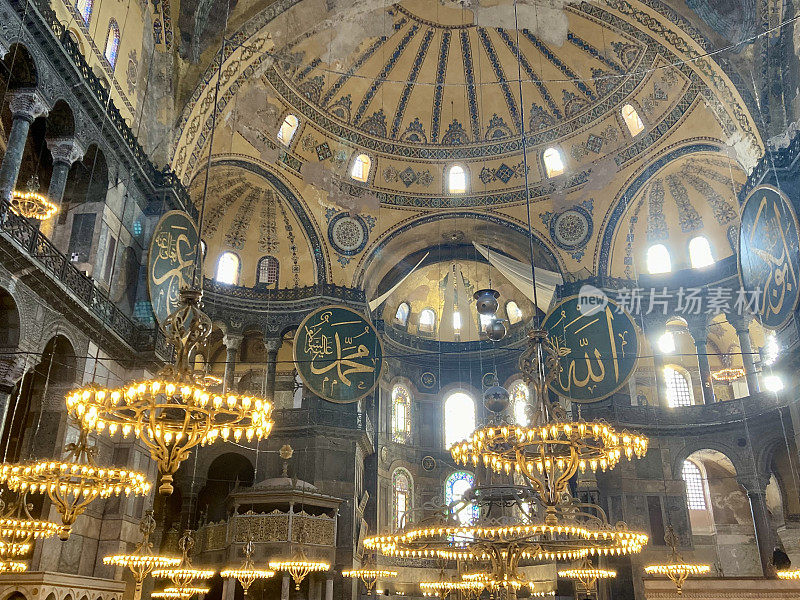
(65,150)
(740,323)
(273,344)
(27,103)
(755,484)
(233,341)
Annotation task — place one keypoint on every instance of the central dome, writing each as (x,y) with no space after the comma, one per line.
(421,74)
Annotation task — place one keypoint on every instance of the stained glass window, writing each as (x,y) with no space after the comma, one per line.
(401,414)
(459,418)
(228,268)
(695,490)
(402,313)
(402,495)
(288,129)
(268,270)
(455,486)
(519,402)
(361,166)
(679,391)
(112,43)
(85,8)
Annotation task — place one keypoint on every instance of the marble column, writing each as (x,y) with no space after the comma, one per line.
(285,587)
(765,537)
(329,588)
(65,152)
(745,344)
(661,384)
(273,345)
(25,106)
(228,588)
(706,383)
(232,344)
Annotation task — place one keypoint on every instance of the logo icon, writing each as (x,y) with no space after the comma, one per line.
(591,300)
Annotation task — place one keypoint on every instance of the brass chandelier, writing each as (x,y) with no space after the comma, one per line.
(30,203)
(175,412)
(677,569)
(18,528)
(587,575)
(184,575)
(299,567)
(247,572)
(72,484)
(142,561)
(536,521)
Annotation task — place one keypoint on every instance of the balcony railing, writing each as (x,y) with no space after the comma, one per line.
(32,242)
(284,294)
(320,417)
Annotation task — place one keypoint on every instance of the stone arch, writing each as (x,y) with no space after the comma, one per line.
(22,67)
(224,472)
(737,460)
(88,178)
(60,120)
(9,320)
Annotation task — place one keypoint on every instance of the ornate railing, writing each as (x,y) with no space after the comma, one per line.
(699,415)
(165,179)
(275,526)
(321,417)
(284,294)
(411,340)
(35,244)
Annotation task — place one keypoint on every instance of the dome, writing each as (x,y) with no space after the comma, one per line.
(284,483)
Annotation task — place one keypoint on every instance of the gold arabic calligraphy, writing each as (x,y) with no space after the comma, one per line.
(597,330)
(171,266)
(781,278)
(336,355)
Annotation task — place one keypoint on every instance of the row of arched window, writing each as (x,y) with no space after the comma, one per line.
(112,34)
(427,317)
(457,177)
(229,267)
(459,413)
(659,259)
(455,486)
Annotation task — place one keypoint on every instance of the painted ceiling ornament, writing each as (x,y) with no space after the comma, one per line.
(72,484)
(769,255)
(174,413)
(348,234)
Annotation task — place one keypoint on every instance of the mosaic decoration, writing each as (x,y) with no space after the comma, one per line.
(411,78)
(338,354)
(428,463)
(438,90)
(688,217)
(571,229)
(292,245)
(236,235)
(427,379)
(597,345)
(596,143)
(656,222)
(630,238)
(268,231)
(132,72)
(769,254)
(171,262)
(455,486)
(408,176)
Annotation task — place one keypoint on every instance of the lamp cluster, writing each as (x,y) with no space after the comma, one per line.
(299,567)
(32,205)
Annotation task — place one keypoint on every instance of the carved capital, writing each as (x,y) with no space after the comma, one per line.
(27,103)
(273,344)
(233,341)
(65,150)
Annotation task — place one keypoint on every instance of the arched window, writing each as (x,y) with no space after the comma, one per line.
(455,486)
(401,316)
(203,248)
(666,343)
(695,488)
(456,321)
(288,129)
(484,321)
(513,312)
(401,414)
(658,259)
(268,271)
(427,321)
(401,482)
(361,166)
(85,9)
(632,120)
(679,389)
(228,268)
(519,402)
(457,180)
(700,252)
(553,162)
(459,418)
(112,43)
